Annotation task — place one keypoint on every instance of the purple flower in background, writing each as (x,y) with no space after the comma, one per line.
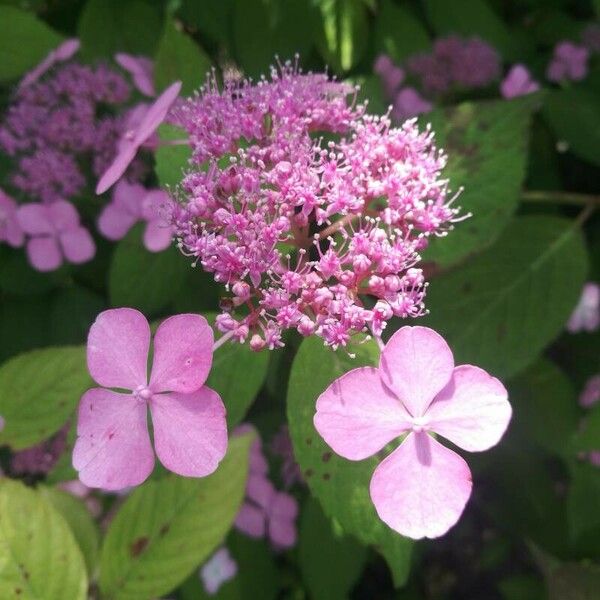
(591,392)
(518,82)
(217,570)
(141,69)
(409,103)
(586,316)
(569,62)
(131,202)
(135,137)
(454,61)
(10,230)
(265,512)
(281,445)
(54,234)
(41,458)
(60,54)
(391,75)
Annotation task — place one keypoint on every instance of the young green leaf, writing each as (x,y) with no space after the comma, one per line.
(39,390)
(166,528)
(39,557)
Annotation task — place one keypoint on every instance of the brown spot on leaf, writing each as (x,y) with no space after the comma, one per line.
(326,476)
(308,441)
(308,473)
(138,546)
(326,456)
(164,529)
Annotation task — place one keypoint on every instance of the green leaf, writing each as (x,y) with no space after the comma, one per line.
(251,22)
(582,134)
(144,280)
(582,508)
(545,406)
(342,486)
(330,564)
(344,34)
(486,143)
(39,390)
(473,17)
(72,313)
(171,161)
(167,528)
(398,33)
(213,19)
(63,469)
(574,582)
(237,374)
(293,29)
(18,277)
(24,42)
(503,308)
(39,557)
(79,519)
(179,58)
(109,26)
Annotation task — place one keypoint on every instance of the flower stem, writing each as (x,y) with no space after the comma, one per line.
(553,197)
(222,340)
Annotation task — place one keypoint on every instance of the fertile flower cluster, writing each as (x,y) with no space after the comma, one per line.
(265,512)
(569,63)
(308,210)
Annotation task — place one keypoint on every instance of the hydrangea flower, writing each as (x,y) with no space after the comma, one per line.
(421,488)
(113,448)
(133,138)
(586,316)
(320,237)
(41,458)
(132,202)
(141,70)
(569,62)
(409,103)
(390,74)
(217,570)
(591,392)
(518,82)
(265,512)
(10,230)
(54,234)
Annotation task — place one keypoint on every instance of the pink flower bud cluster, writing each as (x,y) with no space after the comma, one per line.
(311,212)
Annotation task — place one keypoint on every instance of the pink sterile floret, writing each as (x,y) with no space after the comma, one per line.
(141,70)
(135,136)
(113,448)
(266,511)
(409,103)
(54,232)
(217,570)
(421,488)
(586,316)
(569,62)
(64,52)
(518,82)
(322,237)
(132,202)
(10,230)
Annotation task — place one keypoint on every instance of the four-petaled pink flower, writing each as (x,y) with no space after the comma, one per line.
(518,82)
(141,70)
(132,202)
(421,488)
(10,230)
(54,233)
(113,448)
(586,316)
(217,570)
(134,138)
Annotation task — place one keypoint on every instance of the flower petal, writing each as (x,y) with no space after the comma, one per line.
(282,525)
(129,197)
(126,153)
(44,253)
(182,354)
(114,222)
(416,364)
(156,114)
(251,520)
(472,411)
(117,348)
(113,448)
(157,236)
(260,490)
(357,415)
(34,219)
(421,489)
(190,432)
(64,215)
(78,245)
